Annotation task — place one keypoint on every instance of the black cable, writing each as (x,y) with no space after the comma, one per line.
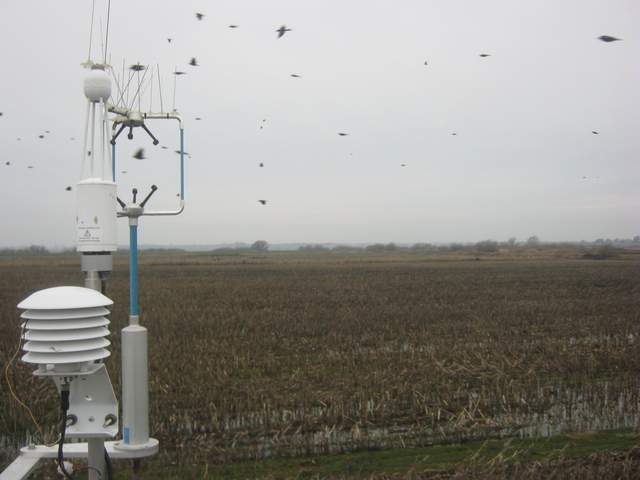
(64,403)
(107,463)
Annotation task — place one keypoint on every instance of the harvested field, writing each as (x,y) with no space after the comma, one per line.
(275,355)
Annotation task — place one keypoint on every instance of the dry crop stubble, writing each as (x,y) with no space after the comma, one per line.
(281,357)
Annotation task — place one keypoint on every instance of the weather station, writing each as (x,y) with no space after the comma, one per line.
(65,330)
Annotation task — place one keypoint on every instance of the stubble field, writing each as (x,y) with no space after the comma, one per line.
(279,355)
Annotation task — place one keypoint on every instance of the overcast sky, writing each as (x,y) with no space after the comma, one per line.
(524,160)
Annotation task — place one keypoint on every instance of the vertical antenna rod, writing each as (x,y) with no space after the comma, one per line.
(151,92)
(106,41)
(160,89)
(101,37)
(93,7)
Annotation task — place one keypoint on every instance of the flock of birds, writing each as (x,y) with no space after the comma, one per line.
(139,154)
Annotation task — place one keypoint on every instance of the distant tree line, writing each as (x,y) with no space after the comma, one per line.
(482,247)
(600,248)
(30,251)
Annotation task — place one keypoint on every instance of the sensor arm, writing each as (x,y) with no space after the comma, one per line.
(171,116)
(123,120)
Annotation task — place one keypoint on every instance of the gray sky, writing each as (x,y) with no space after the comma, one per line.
(523,118)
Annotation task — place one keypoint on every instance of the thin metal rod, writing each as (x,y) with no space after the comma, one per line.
(101,140)
(139,87)
(151,92)
(106,41)
(146,85)
(101,36)
(115,79)
(127,88)
(92,152)
(93,7)
(160,89)
(133,269)
(182,164)
(123,86)
(113,162)
(83,169)
(107,158)
(133,100)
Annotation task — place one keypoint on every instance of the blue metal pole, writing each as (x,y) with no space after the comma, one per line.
(182,163)
(113,161)
(133,269)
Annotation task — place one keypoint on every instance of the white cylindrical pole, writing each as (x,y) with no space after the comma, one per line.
(96,459)
(93,138)
(103,138)
(135,387)
(84,168)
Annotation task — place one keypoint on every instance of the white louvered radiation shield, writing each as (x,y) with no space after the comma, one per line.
(65,330)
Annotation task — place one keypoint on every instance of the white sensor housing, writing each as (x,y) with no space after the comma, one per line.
(96,219)
(97,85)
(65,330)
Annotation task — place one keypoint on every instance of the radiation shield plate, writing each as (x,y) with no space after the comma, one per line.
(64,298)
(66,324)
(64,314)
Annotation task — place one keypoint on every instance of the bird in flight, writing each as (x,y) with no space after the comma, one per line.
(9,163)
(1,114)
(123,171)
(608,38)
(30,166)
(193,62)
(295,75)
(454,133)
(178,72)
(199,16)
(261,164)
(47,131)
(139,155)
(403,164)
(72,138)
(198,118)
(164,147)
(342,134)
(233,26)
(282,30)
(595,132)
(40,136)
(263,202)
(484,55)
(425,62)
(68,189)
(178,152)
(169,40)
